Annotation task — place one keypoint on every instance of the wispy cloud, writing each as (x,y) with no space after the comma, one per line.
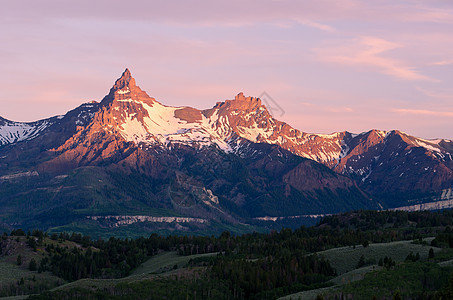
(423,112)
(424,13)
(339,109)
(443,95)
(369,52)
(316,25)
(442,63)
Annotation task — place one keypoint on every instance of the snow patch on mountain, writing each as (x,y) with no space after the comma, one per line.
(252,132)
(14,132)
(163,127)
(125,91)
(427,145)
(329,136)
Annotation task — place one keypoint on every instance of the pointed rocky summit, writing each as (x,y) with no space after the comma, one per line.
(126,80)
(125,88)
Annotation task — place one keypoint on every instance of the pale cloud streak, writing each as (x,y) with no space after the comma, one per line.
(436,95)
(424,112)
(317,25)
(442,63)
(368,51)
(423,13)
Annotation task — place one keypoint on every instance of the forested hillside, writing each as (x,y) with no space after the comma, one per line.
(249,266)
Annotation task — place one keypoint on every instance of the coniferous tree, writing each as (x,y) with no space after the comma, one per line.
(32,265)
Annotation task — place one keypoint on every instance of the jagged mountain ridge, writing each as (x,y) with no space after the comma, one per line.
(131,158)
(129,131)
(132,127)
(131,113)
(244,116)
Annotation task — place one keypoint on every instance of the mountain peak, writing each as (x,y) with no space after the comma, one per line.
(240,97)
(125,89)
(242,102)
(126,80)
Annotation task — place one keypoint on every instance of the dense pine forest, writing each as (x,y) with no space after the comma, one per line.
(248,266)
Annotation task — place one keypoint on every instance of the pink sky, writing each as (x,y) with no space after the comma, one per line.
(331,65)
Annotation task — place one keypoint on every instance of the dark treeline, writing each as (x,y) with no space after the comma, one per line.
(255,265)
(444,239)
(373,220)
(283,273)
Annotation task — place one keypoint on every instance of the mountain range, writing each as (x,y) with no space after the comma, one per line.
(131,165)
